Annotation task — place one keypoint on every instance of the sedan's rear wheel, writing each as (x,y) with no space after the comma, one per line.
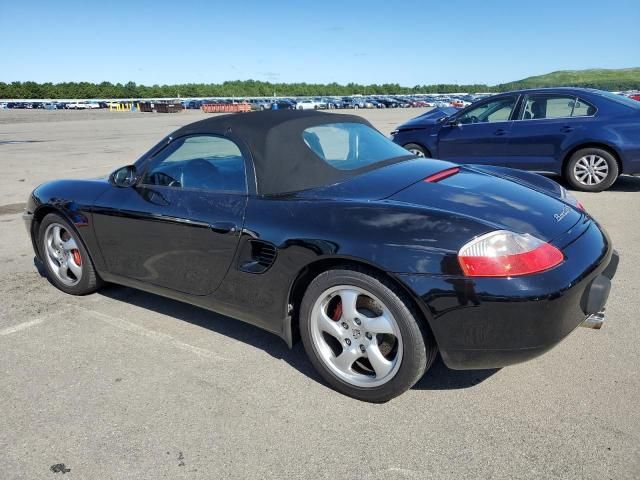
(591,170)
(363,335)
(417,150)
(65,258)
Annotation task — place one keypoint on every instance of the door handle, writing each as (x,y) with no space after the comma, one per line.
(223,227)
(566,129)
(500,132)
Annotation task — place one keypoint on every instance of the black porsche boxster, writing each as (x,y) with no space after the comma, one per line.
(315,225)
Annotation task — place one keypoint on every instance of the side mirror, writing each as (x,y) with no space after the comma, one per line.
(452,122)
(124,176)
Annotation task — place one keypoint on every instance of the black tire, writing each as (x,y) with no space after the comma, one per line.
(89,279)
(418,148)
(613,171)
(419,347)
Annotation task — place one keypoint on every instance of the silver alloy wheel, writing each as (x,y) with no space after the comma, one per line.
(363,347)
(62,254)
(417,152)
(591,170)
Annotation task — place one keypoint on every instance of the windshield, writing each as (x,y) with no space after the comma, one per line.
(350,146)
(629,102)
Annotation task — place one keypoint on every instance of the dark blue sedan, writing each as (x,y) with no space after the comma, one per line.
(588,136)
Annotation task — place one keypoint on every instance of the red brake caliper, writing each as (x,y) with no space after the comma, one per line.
(337,313)
(76,256)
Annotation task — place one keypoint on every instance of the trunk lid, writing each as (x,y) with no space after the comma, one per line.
(496,201)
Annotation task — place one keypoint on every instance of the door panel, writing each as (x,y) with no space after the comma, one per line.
(182,240)
(537,144)
(179,227)
(485,143)
(479,134)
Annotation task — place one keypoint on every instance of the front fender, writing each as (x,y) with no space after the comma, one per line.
(73,199)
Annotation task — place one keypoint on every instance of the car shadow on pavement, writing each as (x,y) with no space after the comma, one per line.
(439,376)
(227,326)
(626,183)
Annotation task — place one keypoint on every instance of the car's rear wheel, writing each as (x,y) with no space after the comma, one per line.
(591,170)
(417,150)
(65,258)
(363,335)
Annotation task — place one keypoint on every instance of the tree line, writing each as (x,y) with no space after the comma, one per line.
(255,88)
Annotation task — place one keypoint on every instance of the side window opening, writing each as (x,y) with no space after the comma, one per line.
(202,162)
(498,110)
(583,109)
(350,146)
(555,106)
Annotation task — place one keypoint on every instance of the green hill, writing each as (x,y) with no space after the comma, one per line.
(603,78)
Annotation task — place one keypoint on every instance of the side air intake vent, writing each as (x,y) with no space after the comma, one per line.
(263,253)
(257,256)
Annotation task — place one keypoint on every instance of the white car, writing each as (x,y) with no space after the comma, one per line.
(83,106)
(307,105)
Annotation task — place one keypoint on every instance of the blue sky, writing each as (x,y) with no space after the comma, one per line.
(401,41)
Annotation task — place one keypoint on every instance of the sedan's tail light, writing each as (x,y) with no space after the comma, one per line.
(507,254)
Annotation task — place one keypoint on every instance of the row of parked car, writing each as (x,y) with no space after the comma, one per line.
(355,102)
(289,103)
(286,103)
(59,105)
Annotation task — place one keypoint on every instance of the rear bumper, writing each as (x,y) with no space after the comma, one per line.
(494,322)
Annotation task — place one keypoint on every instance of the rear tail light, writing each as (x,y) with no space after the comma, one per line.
(507,254)
(436,177)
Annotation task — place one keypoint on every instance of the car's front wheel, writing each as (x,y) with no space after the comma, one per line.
(591,170)
(65,258)
(363,335)
(417,150)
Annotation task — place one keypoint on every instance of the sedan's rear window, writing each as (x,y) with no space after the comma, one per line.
(350,146)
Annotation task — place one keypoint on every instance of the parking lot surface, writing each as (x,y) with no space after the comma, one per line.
(124,384)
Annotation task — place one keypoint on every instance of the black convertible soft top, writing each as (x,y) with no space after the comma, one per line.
(282,160)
